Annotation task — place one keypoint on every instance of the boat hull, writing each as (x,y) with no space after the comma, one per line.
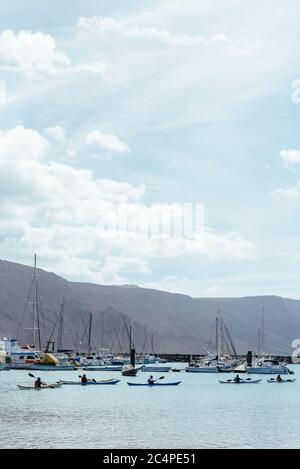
(283,381)
(102,368)
(53,367)
(255,381)
(53,386)
(154,384)
(267,371)
(74,383)
(156,369)
(195,369)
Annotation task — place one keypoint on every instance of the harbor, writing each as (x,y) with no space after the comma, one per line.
(198,413)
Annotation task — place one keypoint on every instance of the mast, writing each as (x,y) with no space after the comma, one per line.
(61,326)
(217,335)
(261,334)
(220,340)
(102,332)
(35,308)
(90,333)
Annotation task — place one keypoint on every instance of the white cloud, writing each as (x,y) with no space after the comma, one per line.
(60,212)
(19,146)
(134,30)
(290,156)
(3,92)
(292,193)
(31,52)
(107,141)
(92,67)
(57,132)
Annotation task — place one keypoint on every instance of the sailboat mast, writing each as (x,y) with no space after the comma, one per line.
(90,333)
(36,312)
(61,326)
(217,335)
(262,330)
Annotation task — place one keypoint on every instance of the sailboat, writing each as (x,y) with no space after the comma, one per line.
(130,370)
(214,363)
(24,357)
(265,365)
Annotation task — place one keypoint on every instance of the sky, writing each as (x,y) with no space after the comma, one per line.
(158,104)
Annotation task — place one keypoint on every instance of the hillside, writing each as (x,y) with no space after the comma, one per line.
(179,323)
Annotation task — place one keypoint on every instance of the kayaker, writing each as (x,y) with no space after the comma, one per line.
(151,380)
(84,379)
(237,379)
(38,383)
(279,379)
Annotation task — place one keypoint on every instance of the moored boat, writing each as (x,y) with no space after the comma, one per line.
(269,367)
(155,369)
(103,368)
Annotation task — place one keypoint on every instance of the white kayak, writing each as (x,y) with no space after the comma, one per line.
(90,381)
(43,386)
(274,380)
(242,381)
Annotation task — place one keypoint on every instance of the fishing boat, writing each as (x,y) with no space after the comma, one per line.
(90,381)
(155,384)
(43,386)
(274,380)
(242,381)
(155,369)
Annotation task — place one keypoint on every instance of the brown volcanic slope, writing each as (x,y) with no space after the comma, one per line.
(179,323)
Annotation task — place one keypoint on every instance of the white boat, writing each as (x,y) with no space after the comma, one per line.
(155,369)
(19,357)
(213,366)
(242,381)
(269,367)
(201,369)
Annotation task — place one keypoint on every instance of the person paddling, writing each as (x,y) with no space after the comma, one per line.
(84,379)
(237,379)
(38,383)
(151,380)
(279,379)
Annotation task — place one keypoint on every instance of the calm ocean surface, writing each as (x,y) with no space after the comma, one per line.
(199,413)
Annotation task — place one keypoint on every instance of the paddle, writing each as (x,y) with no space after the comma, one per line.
(42,382)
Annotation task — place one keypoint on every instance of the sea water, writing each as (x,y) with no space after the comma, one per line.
(199,413)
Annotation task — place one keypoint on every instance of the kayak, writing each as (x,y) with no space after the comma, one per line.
(283,381)
(44,386)
(255,381)
(105,381)
(154,384)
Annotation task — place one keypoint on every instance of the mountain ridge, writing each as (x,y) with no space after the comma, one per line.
(178,322)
